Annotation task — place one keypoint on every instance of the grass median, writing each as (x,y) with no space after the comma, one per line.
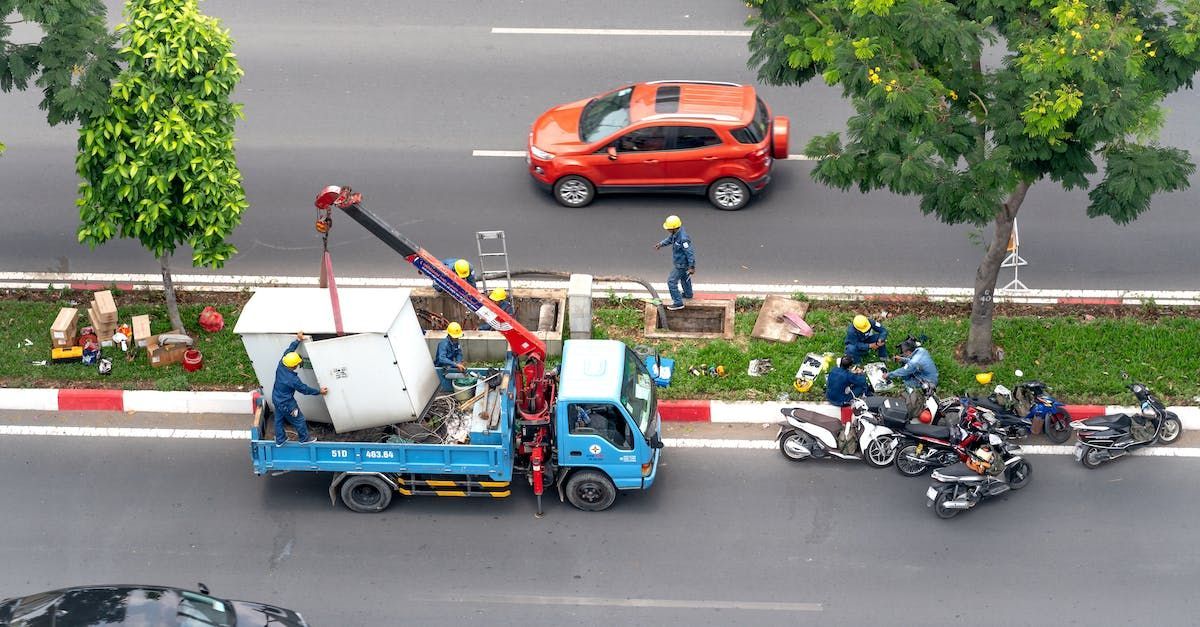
(1080,351)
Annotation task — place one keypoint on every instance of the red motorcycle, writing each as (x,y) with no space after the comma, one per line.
(923,447)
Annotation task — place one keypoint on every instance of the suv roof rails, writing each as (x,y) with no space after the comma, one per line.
(726,84)
(692,116)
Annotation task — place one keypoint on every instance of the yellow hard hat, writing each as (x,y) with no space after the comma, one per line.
(462,268)
(292,359)
(862,323)
(454,330)
(498,294)
(672,222)
(802,385)
(983,378)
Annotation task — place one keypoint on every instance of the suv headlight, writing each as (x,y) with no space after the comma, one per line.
(539,153)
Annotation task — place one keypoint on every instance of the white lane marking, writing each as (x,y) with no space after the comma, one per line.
(521,153)
(238,434)
(537,599)
(647,32)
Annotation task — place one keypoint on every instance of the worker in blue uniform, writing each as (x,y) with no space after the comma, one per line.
(843,385)
(287,384)
(683,262)
(449,355)
(865,335)
(500,297)
(462,268)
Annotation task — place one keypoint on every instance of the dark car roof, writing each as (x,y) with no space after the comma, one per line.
(110,606)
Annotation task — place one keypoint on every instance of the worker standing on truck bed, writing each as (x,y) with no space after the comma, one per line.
(449,354)
(683,261)
(287,383)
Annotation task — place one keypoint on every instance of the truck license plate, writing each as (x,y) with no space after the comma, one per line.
(931,493)
(1078,451)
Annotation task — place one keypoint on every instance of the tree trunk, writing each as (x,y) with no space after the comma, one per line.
(980,346)
(169,292)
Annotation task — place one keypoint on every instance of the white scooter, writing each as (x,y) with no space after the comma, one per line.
(807,434)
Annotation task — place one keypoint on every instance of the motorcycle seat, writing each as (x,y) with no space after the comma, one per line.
(1110,421)
(932,431)
(960,471)
(992,406)
(829,423)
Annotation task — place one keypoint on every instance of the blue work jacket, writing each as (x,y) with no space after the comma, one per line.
(859,343)
(506,305)
(449,263)
(449,353)
(841,383)
(917,368)
(287,383)
(682,252)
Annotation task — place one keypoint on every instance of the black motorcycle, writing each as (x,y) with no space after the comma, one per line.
(964,485)
(1106,438)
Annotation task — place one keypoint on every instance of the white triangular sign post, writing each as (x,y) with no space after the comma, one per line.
(1014,260)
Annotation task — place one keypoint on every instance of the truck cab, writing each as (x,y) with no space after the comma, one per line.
(606,423)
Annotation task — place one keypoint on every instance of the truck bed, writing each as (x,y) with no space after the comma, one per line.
(489,451)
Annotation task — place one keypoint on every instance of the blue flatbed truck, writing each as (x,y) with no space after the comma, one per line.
(591,429)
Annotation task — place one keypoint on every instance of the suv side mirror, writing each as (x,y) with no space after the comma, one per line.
(612,153)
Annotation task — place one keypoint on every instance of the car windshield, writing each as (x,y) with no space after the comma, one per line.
(199,610)
(605,115)
(637,393)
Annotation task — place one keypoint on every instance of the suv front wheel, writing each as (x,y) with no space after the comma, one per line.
(729,194)
(574,191)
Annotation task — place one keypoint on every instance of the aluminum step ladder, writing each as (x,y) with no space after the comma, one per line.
(493,249)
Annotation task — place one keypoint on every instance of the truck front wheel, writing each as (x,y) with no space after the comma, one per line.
(591,491)
(366,494)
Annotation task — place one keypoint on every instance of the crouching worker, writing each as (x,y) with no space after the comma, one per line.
(865,335)
(449,357)
(283,395)
(843,385)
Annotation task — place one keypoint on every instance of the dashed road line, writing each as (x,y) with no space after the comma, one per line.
(694,604)
(644,32)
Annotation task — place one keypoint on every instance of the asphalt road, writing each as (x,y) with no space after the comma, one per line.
(393,97)
(726,537)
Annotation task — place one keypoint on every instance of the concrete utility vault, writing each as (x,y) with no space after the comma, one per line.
(542,311)
(699,319)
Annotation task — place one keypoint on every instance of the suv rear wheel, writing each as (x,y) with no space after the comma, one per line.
(729,194)
(574,191)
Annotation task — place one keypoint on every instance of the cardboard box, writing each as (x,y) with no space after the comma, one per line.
(165,355)
(105,306)
(65,326)
(141,330)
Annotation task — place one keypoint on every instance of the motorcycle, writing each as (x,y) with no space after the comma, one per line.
(935,446)
(963,485)
(1014,412)
(806,434)
(1106,438)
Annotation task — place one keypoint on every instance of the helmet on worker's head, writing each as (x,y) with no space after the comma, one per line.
(462,268)
(983,378)
(292,359)
(454,330)
(498,294)
(672,222)
(862,323)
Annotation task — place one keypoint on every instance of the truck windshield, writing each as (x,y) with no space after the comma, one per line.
(605,115)
(637,393)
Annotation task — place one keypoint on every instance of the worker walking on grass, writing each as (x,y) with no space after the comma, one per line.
(865,335)
(287,383)
(500,297)
(683,259)
(449,354)
(462,268)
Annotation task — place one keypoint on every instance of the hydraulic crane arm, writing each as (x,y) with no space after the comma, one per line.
(521,340)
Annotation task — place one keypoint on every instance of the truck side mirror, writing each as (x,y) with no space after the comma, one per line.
(656,442)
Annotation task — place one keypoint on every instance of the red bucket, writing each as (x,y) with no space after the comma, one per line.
(192,360)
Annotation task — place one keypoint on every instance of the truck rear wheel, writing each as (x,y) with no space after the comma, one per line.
(366,494)
(591,491)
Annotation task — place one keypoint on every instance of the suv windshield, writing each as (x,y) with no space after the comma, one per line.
(605,115)
(637,393)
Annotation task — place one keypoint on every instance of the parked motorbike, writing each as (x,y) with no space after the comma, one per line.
(934,446)
(806,434)
(1106,438)
(1013,413)
(963,485)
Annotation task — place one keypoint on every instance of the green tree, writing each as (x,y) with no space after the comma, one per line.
(159,165)
(73,63)
(1078,84)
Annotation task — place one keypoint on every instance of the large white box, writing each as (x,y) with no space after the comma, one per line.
(378,373)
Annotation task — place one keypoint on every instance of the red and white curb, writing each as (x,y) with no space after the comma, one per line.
(125,401)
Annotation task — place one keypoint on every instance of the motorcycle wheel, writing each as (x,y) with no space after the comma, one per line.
(1092,458)
(939,506)
(1169,431)
(1020,475)
(907,467)
(881,452)
(789,443)
(1058,426)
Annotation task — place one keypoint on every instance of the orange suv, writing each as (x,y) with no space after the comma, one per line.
(698,137)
